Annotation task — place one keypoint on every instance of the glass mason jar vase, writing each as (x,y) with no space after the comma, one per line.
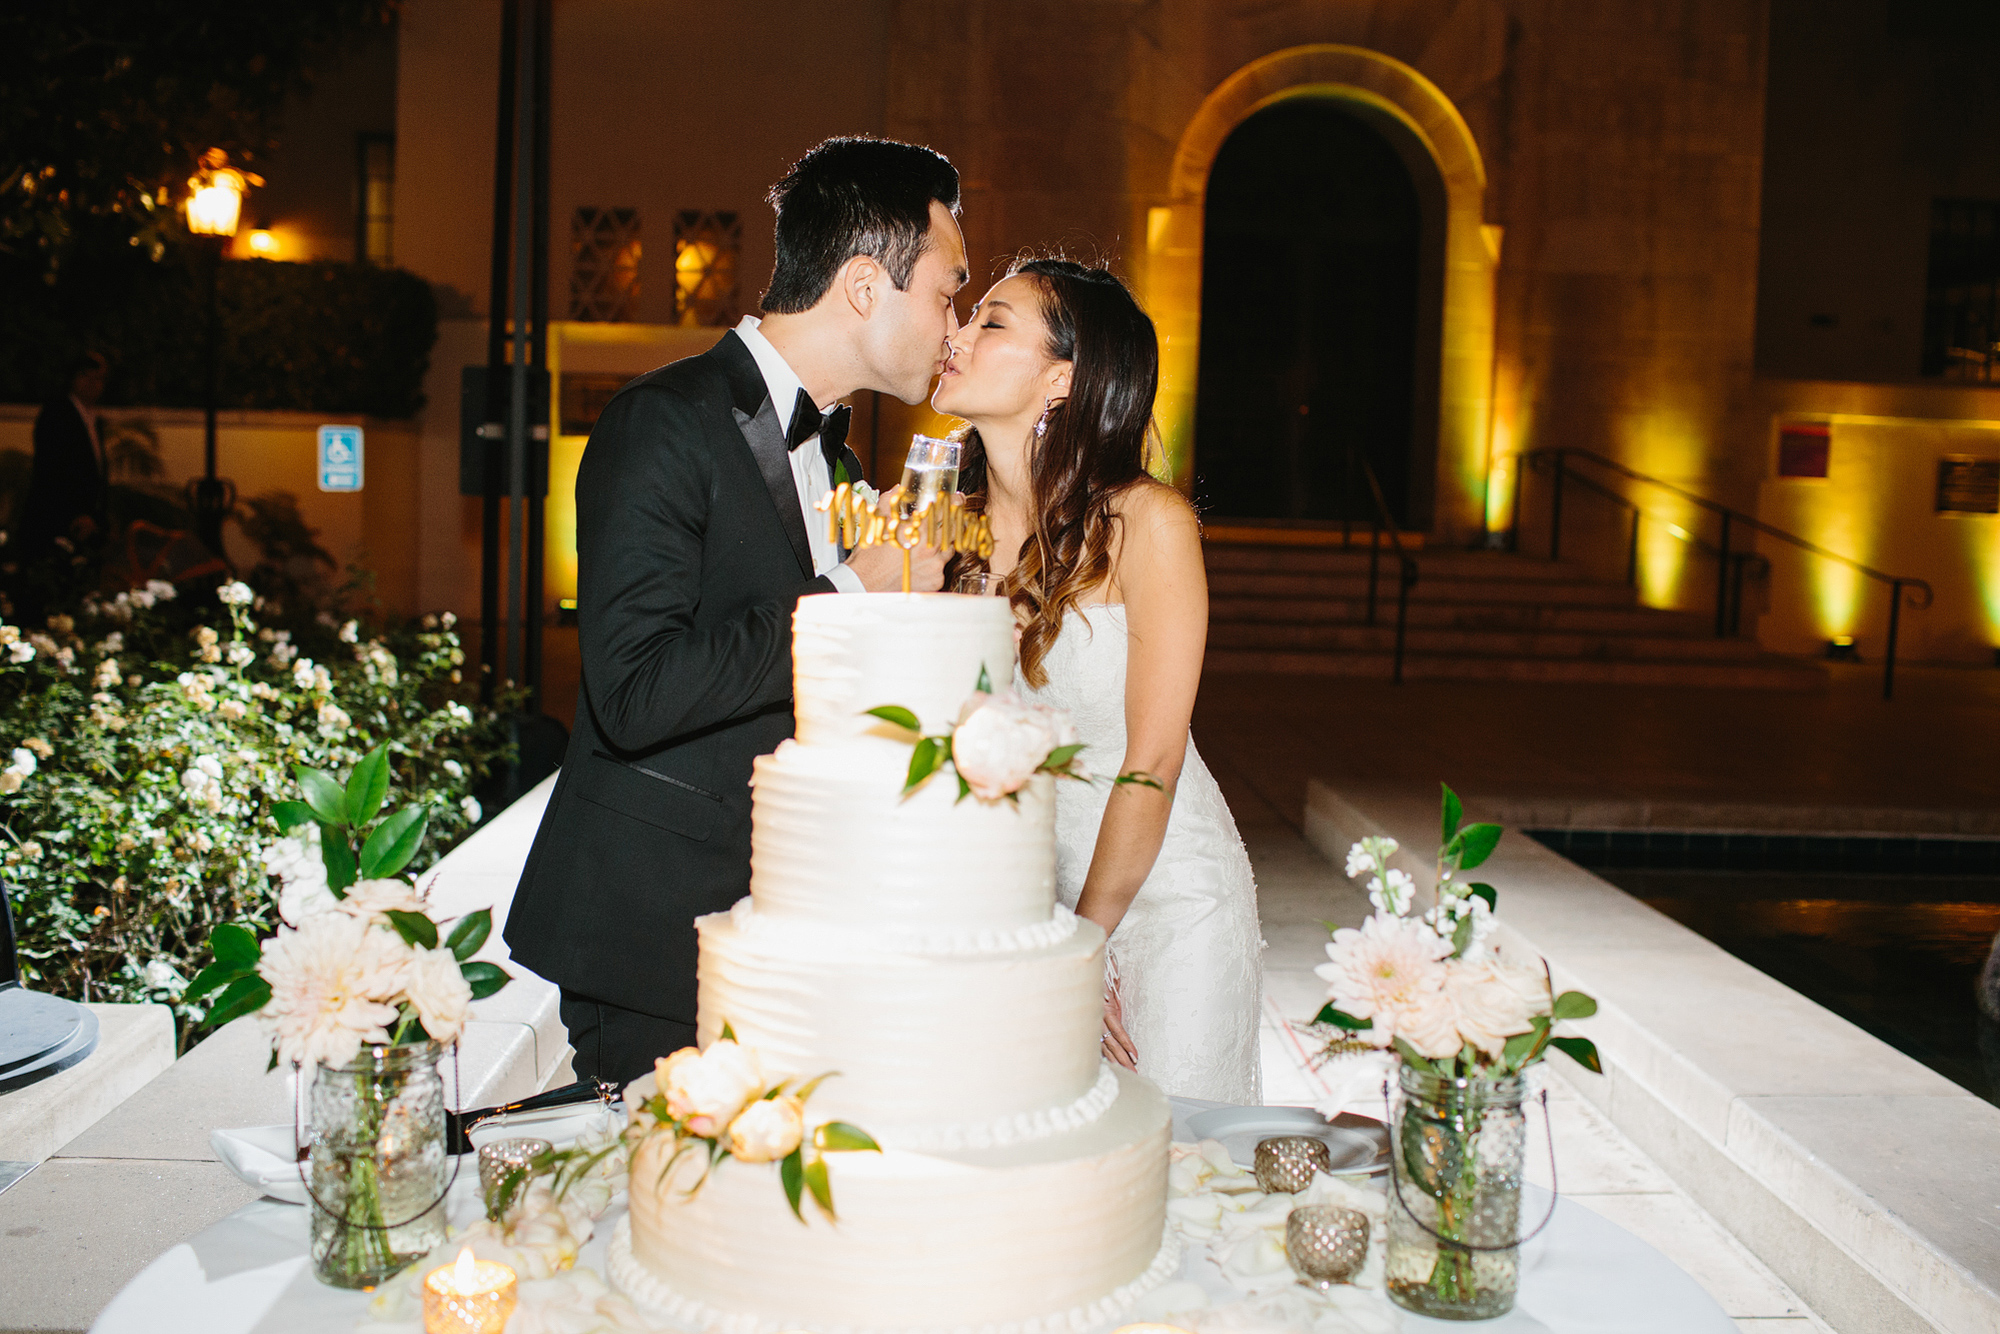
(1454,1237)
(378,1163)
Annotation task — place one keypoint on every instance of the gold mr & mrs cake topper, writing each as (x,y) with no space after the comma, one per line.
(853,520)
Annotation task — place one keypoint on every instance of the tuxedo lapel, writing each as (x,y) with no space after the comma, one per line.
(758,420)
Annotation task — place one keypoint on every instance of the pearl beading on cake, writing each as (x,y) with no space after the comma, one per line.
(946,941)
(1021,1128)
(658,1298)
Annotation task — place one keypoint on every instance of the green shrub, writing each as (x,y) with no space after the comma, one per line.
(149,740)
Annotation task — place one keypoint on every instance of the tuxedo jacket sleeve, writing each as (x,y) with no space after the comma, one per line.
(67,483)
(691,557)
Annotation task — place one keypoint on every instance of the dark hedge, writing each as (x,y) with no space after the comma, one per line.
(315,337)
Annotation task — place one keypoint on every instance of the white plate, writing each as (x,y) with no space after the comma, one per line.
(1359,1146)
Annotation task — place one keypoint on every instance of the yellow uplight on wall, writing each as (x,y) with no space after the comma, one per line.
(263,244)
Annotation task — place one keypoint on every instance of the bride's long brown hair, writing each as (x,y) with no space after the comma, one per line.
(1092,451)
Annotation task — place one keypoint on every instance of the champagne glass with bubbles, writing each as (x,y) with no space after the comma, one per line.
(930,474)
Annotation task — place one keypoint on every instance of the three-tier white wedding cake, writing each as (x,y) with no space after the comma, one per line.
(914,945)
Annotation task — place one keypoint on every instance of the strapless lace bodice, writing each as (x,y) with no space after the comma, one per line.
(1188,951)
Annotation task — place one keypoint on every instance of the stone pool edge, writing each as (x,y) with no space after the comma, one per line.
(1737,1115)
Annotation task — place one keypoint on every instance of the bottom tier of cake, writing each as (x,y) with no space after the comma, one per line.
(1058,1234)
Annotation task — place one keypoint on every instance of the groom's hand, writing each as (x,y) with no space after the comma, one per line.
(881,568)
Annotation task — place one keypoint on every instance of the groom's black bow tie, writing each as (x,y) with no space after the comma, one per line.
(807,422)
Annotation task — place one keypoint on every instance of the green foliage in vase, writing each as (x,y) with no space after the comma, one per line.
(150,741)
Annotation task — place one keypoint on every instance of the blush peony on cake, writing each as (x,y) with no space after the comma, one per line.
(907,938)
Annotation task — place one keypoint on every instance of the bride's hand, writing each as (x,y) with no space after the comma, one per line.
(1117,1043)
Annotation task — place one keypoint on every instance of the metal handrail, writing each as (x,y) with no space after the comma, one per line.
(1406,571)
(1724,617)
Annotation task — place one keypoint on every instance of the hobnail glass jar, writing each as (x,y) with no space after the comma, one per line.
(377,1163)
(1454,1237)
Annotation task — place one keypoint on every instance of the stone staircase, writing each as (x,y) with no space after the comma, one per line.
(1474,616)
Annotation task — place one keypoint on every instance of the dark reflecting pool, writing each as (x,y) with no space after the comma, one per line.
(1896,952)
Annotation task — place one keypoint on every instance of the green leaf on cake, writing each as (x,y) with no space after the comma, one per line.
(895,713)
(840,1137)
(792,1172)
(728,1033)
(924,761)
(985,686)
(821,1187)
(1062,755)
(964,788)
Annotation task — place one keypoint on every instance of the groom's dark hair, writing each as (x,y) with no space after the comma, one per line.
(853,197)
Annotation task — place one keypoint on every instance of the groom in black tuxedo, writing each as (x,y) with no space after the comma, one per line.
(696,537)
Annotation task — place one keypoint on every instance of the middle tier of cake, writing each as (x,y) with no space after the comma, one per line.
(933,1051)
(835,840)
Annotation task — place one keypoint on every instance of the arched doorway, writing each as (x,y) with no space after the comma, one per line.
(1322,290)
(1367,81)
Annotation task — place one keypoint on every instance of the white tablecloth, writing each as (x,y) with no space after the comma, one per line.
(249,1274)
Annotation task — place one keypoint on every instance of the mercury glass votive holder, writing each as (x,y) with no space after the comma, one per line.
(1285,1163)
(502,1156)
(1326,1244)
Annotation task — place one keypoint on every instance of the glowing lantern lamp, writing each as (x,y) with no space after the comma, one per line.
(214,208)
(263,243)
(215,195)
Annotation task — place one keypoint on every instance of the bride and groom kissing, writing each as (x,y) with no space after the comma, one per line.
(697,535)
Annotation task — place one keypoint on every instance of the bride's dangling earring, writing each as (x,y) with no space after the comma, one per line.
(1042,425)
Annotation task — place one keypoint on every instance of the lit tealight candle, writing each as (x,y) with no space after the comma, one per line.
(469,1296)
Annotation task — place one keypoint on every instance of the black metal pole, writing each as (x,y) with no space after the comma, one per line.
(1407,579)
(206,493)
(1514,522)
(538,300)
(1556,511)
(517,407)
(1632,551)
(1889,656)
(496,360)
(1722,581)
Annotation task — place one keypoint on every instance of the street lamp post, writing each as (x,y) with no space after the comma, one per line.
(214,208)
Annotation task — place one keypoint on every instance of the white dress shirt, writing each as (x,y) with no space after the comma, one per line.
(809,473)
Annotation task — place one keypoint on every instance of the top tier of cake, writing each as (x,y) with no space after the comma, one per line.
(924,651)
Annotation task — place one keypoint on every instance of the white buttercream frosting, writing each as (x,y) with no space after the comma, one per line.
(920,651)
(1055,1235)
(834,841)
(921,1041)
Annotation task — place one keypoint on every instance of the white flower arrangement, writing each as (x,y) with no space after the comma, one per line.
(1435,987)
(719,1102)
(362,962)
(999,742)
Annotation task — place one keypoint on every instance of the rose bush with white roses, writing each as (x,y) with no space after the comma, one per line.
(148,735)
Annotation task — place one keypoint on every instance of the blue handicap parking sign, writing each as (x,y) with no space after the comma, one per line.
(340,458)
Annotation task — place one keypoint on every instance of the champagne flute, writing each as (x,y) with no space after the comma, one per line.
(930,474)
(980,583)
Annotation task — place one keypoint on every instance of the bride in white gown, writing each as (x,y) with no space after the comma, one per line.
(1055,373)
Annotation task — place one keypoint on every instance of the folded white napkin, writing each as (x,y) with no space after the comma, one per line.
(1354,1083)
(263,1155)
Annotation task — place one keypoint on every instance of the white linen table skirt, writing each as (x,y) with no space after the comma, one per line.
(249,1274)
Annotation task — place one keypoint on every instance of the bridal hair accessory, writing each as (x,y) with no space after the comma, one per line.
(853,520)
